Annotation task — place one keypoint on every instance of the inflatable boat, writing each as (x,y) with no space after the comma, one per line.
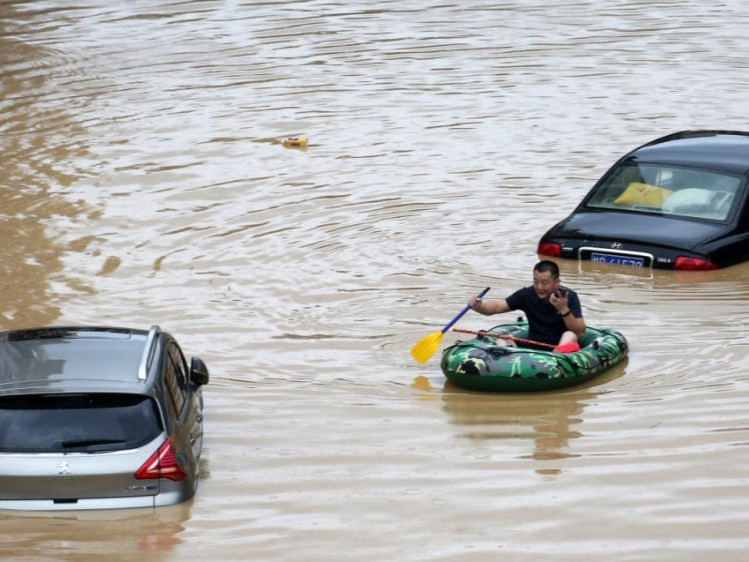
(481,364)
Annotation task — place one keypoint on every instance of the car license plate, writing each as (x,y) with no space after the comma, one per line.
(618,260)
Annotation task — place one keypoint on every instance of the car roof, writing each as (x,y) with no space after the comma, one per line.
(727,151)
(70,358)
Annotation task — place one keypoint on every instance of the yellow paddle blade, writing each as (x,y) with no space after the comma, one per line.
(423,350)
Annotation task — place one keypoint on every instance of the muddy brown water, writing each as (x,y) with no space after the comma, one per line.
(143,181)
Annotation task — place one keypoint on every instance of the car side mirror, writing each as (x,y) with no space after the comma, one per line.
(198,371)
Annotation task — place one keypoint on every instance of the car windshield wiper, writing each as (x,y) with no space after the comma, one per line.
(89,442)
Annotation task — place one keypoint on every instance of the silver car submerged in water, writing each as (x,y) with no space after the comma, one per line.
(98,418)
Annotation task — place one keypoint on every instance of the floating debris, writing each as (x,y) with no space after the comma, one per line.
(295,142)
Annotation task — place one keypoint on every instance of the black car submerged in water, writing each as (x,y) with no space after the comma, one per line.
(678,202)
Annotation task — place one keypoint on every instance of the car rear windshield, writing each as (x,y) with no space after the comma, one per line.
(668,190)
(66,423)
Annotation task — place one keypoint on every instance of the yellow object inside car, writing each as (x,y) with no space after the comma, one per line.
(643,194)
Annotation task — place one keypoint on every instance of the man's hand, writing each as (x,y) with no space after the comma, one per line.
(475,303)
(559,301)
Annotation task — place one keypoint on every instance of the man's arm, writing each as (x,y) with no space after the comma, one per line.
(574,324)
(487,308)
(571,322)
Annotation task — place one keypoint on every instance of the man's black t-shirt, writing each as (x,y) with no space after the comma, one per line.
(544,322)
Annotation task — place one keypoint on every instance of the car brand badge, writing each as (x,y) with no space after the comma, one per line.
(63,467)
(616,245)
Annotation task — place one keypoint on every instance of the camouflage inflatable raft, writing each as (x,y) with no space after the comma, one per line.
(480,364)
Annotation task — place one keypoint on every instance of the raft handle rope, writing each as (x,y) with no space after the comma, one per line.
(504,336)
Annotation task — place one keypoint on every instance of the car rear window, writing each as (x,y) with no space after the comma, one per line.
(66,423)
(668,190)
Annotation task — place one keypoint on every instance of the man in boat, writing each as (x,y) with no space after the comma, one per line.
(554,314)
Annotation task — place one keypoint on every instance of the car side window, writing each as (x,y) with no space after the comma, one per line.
(175,378)
(180,365)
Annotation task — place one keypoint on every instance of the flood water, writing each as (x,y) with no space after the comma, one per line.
(143,181)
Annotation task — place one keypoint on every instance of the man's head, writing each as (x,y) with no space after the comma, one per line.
(545,278)
(547,265)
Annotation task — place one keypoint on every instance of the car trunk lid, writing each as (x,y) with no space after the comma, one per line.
(637,229)
(66,478)
(75,445)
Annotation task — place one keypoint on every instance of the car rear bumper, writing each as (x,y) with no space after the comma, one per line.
(162,499)
(74,505)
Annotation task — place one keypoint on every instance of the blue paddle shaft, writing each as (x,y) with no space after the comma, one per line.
(462,312)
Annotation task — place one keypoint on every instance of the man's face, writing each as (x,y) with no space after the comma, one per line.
(544,284)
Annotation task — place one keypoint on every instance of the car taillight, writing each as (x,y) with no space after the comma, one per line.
(684,263)
(550,249)
(162,464)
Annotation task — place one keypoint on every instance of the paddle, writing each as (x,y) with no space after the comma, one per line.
(423,350)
